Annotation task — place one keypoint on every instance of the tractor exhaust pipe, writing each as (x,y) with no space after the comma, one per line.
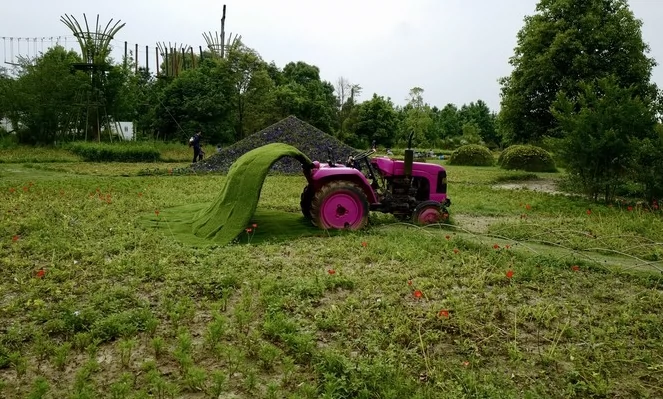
(409,158)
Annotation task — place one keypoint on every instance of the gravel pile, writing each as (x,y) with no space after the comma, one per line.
(308,139)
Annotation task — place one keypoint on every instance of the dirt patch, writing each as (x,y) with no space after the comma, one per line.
(542,186)
(476,224)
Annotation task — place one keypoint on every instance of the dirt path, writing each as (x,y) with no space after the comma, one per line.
(539,185)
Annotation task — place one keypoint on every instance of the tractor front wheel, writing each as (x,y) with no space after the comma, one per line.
(340,205)
(429,214)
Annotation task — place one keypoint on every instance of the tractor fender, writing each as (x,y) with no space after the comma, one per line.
(353,175)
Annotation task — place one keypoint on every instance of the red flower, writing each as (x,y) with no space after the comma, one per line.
(15,238)
(254,225)
(409,282)
(417,294)
(466,363)
(630,208)
(575,268)
(456,250)
(443,313)
(589,211)
(364,244)
(496,246)
(248,230)
(509,274)
(528,207)
(12,189)
(507,246)
(40,273)
(25,188)
(156,212)
(447,237)
(331,271)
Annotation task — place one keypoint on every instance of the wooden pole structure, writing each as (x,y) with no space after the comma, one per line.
(156,51)
(193,58)
(125,54)
(166,62)
(147,59)
(223,32)
(136,59)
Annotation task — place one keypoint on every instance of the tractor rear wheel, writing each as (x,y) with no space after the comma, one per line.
(429,214)
(340,205)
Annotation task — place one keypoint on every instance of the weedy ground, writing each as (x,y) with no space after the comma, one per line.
(94,305)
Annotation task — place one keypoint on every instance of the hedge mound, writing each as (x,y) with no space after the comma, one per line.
(528,158)
(472,155)
(308,139)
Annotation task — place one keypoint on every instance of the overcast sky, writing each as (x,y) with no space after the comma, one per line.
(454,49)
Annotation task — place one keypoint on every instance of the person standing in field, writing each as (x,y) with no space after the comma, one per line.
(195,143)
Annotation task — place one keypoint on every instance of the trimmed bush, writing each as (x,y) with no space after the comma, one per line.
(120,152)
(528,158)
(472,155)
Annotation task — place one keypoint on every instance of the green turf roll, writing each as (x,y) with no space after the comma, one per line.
(231,212)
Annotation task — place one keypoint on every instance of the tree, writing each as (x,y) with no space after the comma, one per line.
(604,125)
(376,120)
(198,99)
(447,122)
(44,97)
(252,88)
(304,95)
(418,118)
(479,114)
(567,42)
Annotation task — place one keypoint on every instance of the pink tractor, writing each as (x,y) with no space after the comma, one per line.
(340,196)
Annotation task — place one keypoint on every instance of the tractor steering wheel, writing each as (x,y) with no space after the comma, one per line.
(362,155)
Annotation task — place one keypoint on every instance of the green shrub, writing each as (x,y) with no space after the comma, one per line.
(120,152)
(528,158)
(472,155)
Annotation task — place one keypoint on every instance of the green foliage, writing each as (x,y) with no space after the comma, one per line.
(564,43)
(649,166)
(528,158)
(472,155)
(603,128)
(116,152)
(376,120)
(198,99)
(45,95)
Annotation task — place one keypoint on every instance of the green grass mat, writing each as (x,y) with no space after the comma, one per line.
(228,217)
(271,226)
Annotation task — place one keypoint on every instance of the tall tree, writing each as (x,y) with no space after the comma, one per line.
(252,83)
(417,117)
(567,42)
(479,114)
(604,127)
(306,96)
(45,95)
(376,120)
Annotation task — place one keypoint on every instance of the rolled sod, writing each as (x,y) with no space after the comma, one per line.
(229,215)
(234,210)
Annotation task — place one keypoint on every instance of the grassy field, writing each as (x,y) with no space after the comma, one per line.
(529,294)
